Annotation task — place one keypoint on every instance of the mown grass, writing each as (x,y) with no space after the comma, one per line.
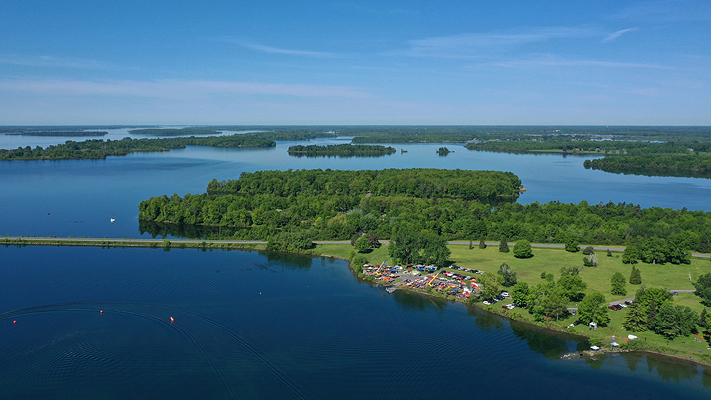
(529,270)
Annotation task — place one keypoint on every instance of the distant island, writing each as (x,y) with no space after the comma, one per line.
(684,166)
(97,149)
(443,151)
(59,133)
(335,205)
(341,150)
(174,131)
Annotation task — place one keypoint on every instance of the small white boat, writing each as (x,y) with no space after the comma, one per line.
(113,220)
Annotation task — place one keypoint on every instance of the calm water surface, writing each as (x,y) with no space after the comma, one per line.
(254,325)
(250,325)
(79,197)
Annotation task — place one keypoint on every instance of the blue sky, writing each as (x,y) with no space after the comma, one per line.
(355,62)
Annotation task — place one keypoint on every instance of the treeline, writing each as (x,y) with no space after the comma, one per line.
(96,149)
(557,144)
(688,166)
(437,134)
(457,205)
(174,131)
(60,133)
(341,150)
(276,134)
(484,186)
(338,204)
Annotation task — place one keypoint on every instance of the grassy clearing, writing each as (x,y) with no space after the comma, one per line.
(376,256)
(598,279)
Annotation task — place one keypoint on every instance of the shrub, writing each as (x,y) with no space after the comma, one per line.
(523,249)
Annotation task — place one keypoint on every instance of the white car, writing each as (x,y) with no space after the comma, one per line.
(486,303)
(505,294)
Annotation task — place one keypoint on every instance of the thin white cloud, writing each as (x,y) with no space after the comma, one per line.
(471,43)
(170,89)
(560,62)
(276,50)
(52,62)
(615,35)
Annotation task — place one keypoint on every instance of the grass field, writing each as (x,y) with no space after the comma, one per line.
(529,270)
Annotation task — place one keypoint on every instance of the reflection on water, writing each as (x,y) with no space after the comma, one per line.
(409,301)
(548,343)
(158,229)
(299,155)
(485,320)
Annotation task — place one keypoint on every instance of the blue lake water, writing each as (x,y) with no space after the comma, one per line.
(79,197)
(254,325)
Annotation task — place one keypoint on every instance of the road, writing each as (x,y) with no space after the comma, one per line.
(193,241)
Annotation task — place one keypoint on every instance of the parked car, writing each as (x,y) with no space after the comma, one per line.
(505,294)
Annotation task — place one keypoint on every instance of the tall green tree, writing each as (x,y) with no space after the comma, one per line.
(673,321)
(702,318)
(572,244)
(508,274)
(636,318)
(648,296)
(593,308)
(504,245)
(617,283)
(361,245)
(519,294)
(482,241)
(654,250)
(555,303)
(490,285)
(635,276)
(630,255)
(703,288)
(573,287)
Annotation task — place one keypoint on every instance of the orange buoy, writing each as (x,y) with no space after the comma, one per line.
(14,322)
(102,311)
(171,320)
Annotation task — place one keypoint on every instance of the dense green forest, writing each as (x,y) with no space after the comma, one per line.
(59,133)
(269,134)
(419,183)
(555,144)
(174,131)
(65,128)
(336,204)
(93,149)
(682,159)
(688,166)
(457,205)
(341,150)
(461,134)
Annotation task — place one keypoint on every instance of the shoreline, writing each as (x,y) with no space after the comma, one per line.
(168,244)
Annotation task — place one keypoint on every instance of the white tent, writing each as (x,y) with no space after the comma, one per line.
(631,336)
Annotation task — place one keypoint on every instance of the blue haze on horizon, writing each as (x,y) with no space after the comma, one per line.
(355,62)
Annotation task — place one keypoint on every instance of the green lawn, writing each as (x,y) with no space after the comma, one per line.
(551,260)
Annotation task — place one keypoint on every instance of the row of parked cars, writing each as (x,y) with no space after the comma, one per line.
(618,307)
(498,298)
(474,271)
